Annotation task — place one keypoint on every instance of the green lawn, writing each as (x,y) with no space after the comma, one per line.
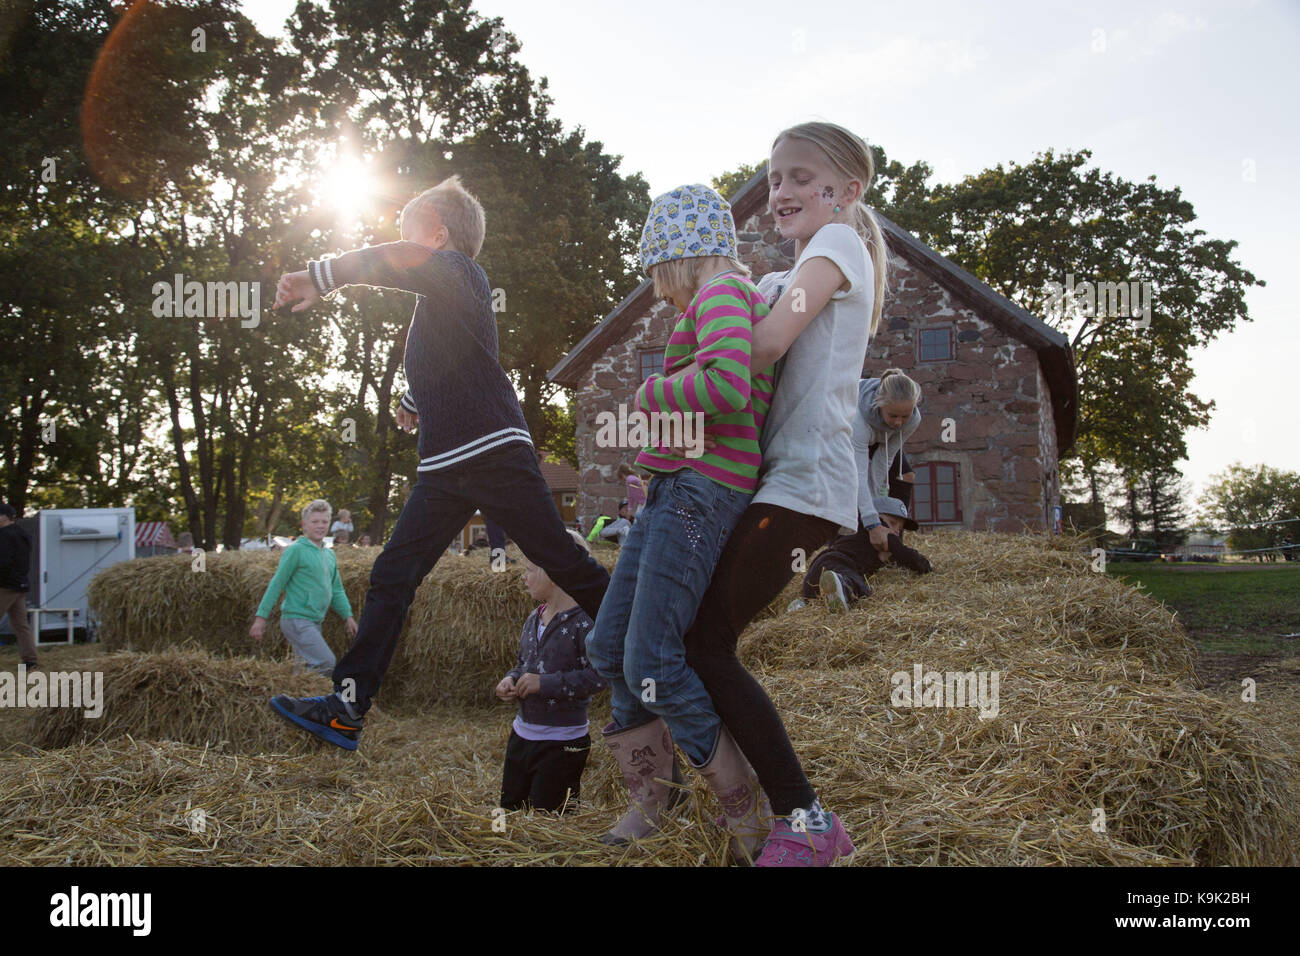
(1227,609)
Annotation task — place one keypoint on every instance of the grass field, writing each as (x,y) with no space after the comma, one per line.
(1226,609)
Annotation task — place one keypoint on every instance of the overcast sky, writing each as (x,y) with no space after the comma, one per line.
(1200,95)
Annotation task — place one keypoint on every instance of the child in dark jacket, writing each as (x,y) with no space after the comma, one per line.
(553,683)
(476,453)
(839,574)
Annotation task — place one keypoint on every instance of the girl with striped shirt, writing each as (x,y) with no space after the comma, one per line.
(688,247)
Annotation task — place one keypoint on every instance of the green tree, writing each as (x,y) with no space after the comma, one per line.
(1249,502)
(1020,228)
(728,184)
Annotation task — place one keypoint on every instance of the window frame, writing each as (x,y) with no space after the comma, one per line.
(930,486)
(643,354)
(920,344)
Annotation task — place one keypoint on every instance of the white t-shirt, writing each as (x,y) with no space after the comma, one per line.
(807,444)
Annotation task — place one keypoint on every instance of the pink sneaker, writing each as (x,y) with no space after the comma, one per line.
(785,847)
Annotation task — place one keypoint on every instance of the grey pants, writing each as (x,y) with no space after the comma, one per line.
(308,644)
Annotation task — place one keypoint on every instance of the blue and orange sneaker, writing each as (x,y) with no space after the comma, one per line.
(323,716)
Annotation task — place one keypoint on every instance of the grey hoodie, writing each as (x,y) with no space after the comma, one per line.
(869,429)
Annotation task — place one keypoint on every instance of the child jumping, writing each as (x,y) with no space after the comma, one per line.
(308,576)
(688,247)
(553,681)
(475,449)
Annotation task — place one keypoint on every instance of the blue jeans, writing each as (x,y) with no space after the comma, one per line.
(662,573)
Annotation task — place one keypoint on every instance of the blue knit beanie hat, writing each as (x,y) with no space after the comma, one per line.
(685,223)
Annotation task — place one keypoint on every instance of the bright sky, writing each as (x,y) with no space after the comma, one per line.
(1196,94)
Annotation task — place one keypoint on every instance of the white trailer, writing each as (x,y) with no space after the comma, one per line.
(69,547)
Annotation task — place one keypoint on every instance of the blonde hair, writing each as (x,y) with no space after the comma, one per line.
(686,275)
(850,156)
(457,209)
(895,386)
(320,504)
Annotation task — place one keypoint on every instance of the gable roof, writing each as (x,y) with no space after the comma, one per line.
(558,474)
(1052,347)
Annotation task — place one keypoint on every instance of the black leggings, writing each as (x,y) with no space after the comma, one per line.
(755,566)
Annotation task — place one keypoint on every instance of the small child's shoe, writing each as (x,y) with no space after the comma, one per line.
(786,847)
(834,592)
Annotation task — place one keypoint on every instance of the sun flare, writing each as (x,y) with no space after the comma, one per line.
(347,187)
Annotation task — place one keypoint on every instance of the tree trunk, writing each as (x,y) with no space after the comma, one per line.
(182,461)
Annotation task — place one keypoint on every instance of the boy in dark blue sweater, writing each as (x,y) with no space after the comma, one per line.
(475,449)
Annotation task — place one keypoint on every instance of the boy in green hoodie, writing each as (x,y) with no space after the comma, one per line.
(309,576)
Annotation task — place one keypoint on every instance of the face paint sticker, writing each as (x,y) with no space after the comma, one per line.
(828,195)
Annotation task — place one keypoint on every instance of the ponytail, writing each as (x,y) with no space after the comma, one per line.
(895,386)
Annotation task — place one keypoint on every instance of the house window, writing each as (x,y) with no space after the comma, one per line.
(652,362)
(568,499)
(935,344)
(936,498)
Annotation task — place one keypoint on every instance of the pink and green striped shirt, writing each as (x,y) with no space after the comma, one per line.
(716,332)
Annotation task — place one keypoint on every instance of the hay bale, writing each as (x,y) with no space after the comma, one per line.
(460,636)
(1097,710)
(1182,778)
(1090,614)
(1182,782)
(184,695)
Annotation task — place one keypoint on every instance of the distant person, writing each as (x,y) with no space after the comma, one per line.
(476,453)
(341,537)
(635,489)
(185,543)
(1288,549)
(343,522)
(308,576)
(839,574)
(553,682)
(15,562)
(887,416)
(620,527)
(364,541)
(496,540)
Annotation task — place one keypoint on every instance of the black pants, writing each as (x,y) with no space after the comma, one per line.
(542,773)
(852,556)
(754,567)
(507,486)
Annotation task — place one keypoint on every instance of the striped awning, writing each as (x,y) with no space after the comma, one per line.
(155,533)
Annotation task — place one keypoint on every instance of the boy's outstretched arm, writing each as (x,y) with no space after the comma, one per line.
(403,265)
